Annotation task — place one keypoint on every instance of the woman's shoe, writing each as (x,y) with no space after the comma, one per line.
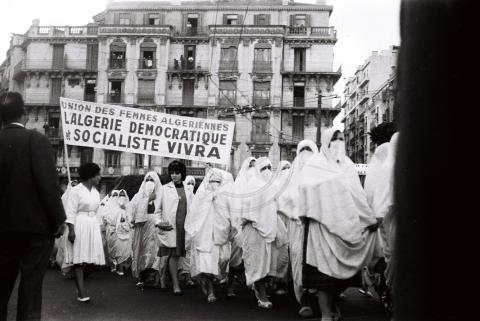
(139,284)
(211,298)
(265,304)
(177,293)
(120,272)
(84,299)
(305,312)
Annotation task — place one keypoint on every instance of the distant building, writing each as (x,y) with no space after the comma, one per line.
(194,58)
(369,97)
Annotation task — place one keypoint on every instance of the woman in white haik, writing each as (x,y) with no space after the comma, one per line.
(339,226)
(84,225)
(109,221)
(237,201)
(121,249)
(144,211)
(260,226)
(184,262)
(287,203)
(209,226)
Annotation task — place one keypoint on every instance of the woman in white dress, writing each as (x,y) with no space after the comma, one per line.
(209,226)
(144,211)
(109,220)
(84,225)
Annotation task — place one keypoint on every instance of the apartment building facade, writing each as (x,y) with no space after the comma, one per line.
(369,97)
(261,64)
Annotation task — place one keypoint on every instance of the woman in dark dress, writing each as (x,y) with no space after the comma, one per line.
(174,209)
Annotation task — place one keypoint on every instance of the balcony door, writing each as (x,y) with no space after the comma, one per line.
(188,91)
(300,59)
(58,54)
(189,54)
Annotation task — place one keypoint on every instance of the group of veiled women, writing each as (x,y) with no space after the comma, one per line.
(310,222)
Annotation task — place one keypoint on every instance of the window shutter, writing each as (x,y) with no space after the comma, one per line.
(200,21)
(292,20)
(162,18)
(255,19)
(185,19)
(145,18)
(267,19)
(225,19)
(116,18)
(307,20)
(240,19)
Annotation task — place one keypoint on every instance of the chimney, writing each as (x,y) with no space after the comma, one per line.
(36,22)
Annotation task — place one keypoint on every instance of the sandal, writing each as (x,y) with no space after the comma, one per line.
(211,298)
(265,304)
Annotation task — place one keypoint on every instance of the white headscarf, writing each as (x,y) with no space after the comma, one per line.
(141,198)
(379,179)
(208,220)
(261,209)
(122,228)
(288,197)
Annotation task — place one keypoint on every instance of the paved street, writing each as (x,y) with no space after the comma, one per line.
(116,298)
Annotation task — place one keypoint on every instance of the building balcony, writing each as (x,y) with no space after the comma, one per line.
(145,63)
(261,101)
(298,102)
(246,30)
(228,66)
(63,31)
(315,32)
(192,32)
(117,64)
(144,99)
(262,66)
(134,30)
(115,98)
(185,67)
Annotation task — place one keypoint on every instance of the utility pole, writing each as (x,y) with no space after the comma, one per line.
(319,120)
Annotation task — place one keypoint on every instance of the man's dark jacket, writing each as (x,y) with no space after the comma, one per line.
(30,196)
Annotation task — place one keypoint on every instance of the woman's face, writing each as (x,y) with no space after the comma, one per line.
(176,177)
(286,167)
(96,179)
(252,163)
(339,136)
(191,183)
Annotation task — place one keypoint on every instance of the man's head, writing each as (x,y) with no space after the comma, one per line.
(12,108)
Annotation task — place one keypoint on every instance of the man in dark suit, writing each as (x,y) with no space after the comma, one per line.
(31,211)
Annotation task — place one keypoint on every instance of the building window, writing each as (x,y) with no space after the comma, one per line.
(188,92)
(261,93)
(73,82)
(153,19)
(124,19)
(58,57)
(228,58)
(90,89)
(262,60)
(262,19)
(117,55)
(258,154)
(56,90)
(146,92)
(228,93)
(115,91)
(299,94)
(86,155)
(298,126)
(190,51)
(139,161)
(260,128)
(231,19)
(112,159)
(191,25)
(300,20)
(148,50)
(299,59)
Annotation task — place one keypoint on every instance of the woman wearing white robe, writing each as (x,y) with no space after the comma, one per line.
(287,206)
(259,220)
(109,219)
(121,235)
(340,239)
(144,210)
(209,226)
(236,200)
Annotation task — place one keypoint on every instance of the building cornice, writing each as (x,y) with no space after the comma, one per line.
(122,7)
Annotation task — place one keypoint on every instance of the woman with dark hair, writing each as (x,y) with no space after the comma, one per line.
(174,209)
(84,225)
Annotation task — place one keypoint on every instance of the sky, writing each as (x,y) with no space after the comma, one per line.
(362,26)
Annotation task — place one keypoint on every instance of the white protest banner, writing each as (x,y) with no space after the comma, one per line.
(141,131)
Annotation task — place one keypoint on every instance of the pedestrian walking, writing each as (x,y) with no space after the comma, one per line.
(144,211)
(84,225)
(175,203)
(339,224)
(31,209)
(209,227)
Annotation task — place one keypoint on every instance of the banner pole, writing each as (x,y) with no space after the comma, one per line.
(66,159)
